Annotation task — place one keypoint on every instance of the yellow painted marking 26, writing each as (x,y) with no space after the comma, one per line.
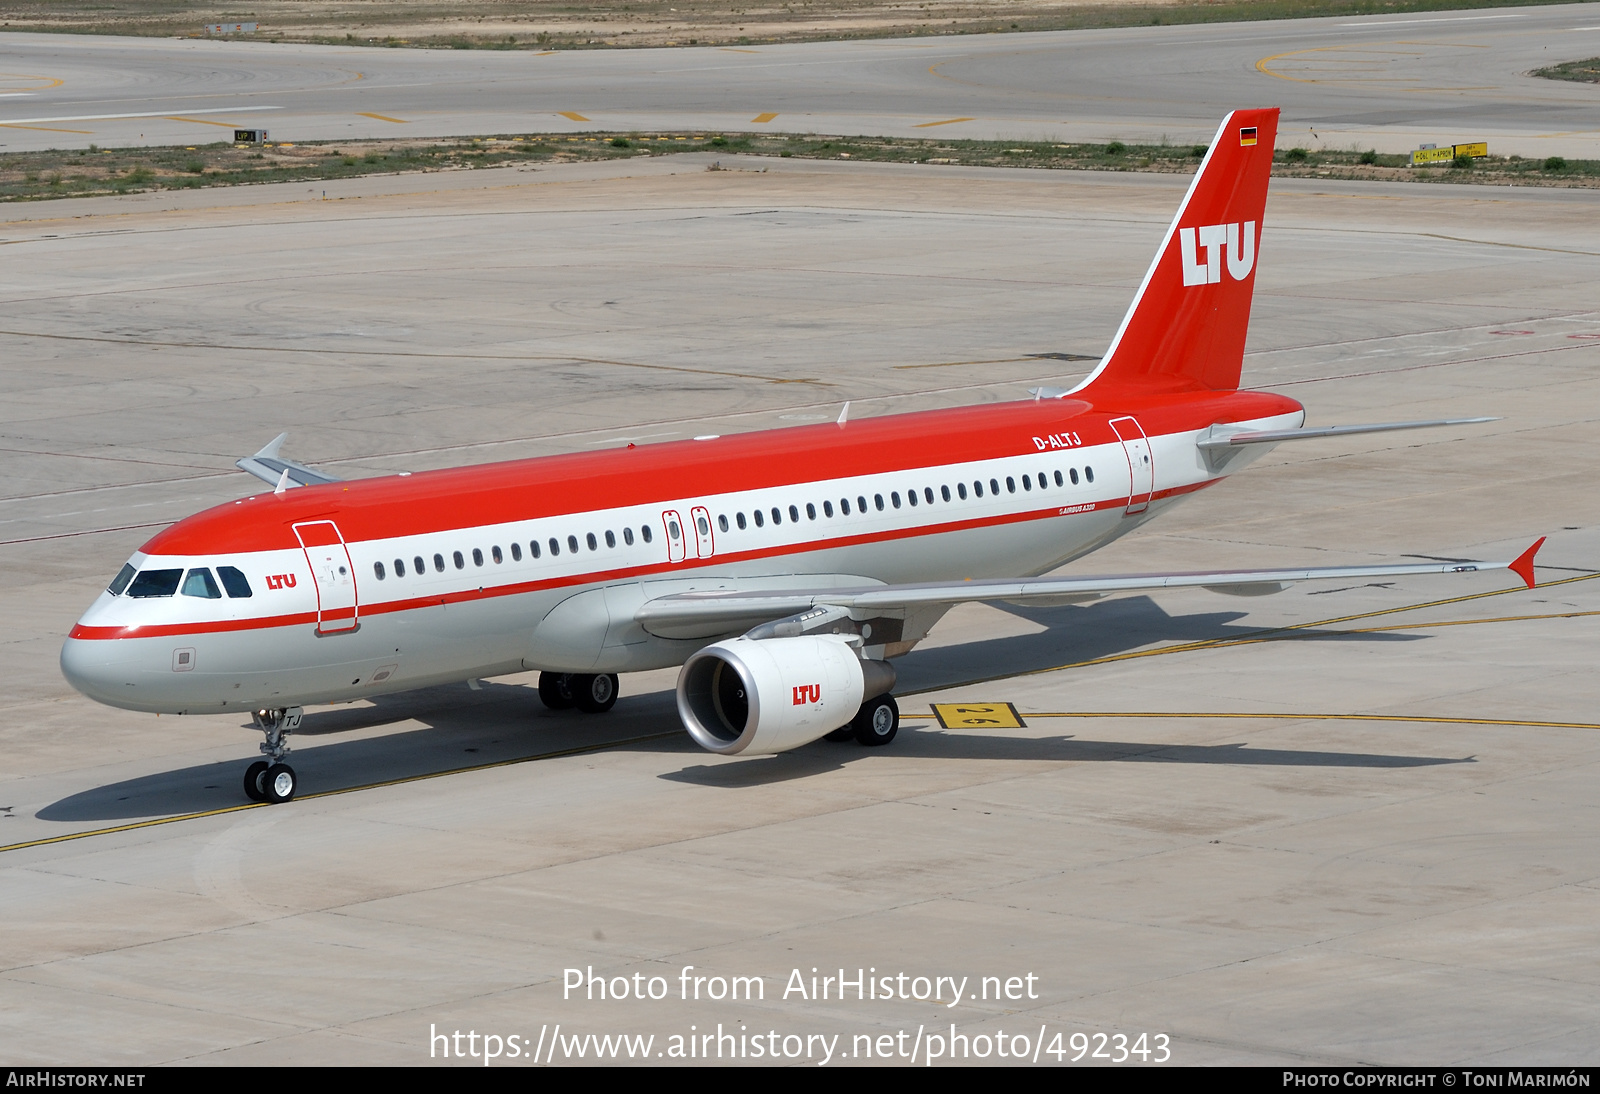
(978,716)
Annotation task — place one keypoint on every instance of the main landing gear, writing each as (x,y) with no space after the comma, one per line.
(592,693)
(271,780)
(875,723)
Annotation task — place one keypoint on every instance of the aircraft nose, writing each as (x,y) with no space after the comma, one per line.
(94,669)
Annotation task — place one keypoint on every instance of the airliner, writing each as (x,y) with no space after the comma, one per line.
(783,570)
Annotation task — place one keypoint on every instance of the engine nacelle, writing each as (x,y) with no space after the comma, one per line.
(756,698)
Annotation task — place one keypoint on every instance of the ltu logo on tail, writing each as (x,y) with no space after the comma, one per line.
(1237,241)
(807,693)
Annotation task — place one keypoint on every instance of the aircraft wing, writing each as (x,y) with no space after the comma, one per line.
(270,467)
(1221,437)
(701,612)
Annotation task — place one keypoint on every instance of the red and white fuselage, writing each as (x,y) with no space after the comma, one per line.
(543,563)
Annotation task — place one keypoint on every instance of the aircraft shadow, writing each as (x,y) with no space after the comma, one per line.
(501,723)
(1085,633)
(827,756)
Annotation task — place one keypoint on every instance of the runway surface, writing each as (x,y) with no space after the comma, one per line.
(1390,83)
(1338,825)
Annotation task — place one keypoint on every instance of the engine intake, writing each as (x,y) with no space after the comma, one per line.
(757,698)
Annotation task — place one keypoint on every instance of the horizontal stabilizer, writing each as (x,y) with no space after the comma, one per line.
(270,467)
(1230,437)
(736,608)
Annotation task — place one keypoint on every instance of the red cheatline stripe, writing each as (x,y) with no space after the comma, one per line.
(469,595)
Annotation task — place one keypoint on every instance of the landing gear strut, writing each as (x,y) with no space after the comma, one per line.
(592,693)
(271,780)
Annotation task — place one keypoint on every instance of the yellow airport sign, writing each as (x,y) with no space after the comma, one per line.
(978,716)
(1476,150)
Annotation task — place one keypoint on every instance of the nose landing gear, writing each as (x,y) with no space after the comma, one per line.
(272,780)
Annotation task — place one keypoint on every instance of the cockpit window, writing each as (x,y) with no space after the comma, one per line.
(200,583)
(234,581)
(151,583)
(120,582)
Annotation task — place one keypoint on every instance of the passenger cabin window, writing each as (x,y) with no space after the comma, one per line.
(811,511)
(627,537)
(594,544)
(417,564)
(1073,472)
(477,557)
(944,492)
(516,552)
(235,582)
(961,491)
(120,582)
(153,583)
(927,492)
(200,583)
(399,567)
(377,569)
(533,548)
(438,563)
(494,553)
(645,531)
(1088,474)
(611,538)
(555,546)
(777,516)
(738,518)
(461,563)
(827,508)
(1059,481)
(760,520)
(572,544)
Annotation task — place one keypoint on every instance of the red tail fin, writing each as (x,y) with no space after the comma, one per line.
(1185,329)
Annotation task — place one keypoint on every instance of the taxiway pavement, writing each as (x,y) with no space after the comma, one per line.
(1367,838)
(1385,82)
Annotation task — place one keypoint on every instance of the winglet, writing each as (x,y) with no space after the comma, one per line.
(283,482)
(270,452)
(1523,566)
(844,414)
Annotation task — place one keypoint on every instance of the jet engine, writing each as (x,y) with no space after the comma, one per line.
(756,697)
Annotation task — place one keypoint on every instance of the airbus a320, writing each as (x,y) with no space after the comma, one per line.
(784,570)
